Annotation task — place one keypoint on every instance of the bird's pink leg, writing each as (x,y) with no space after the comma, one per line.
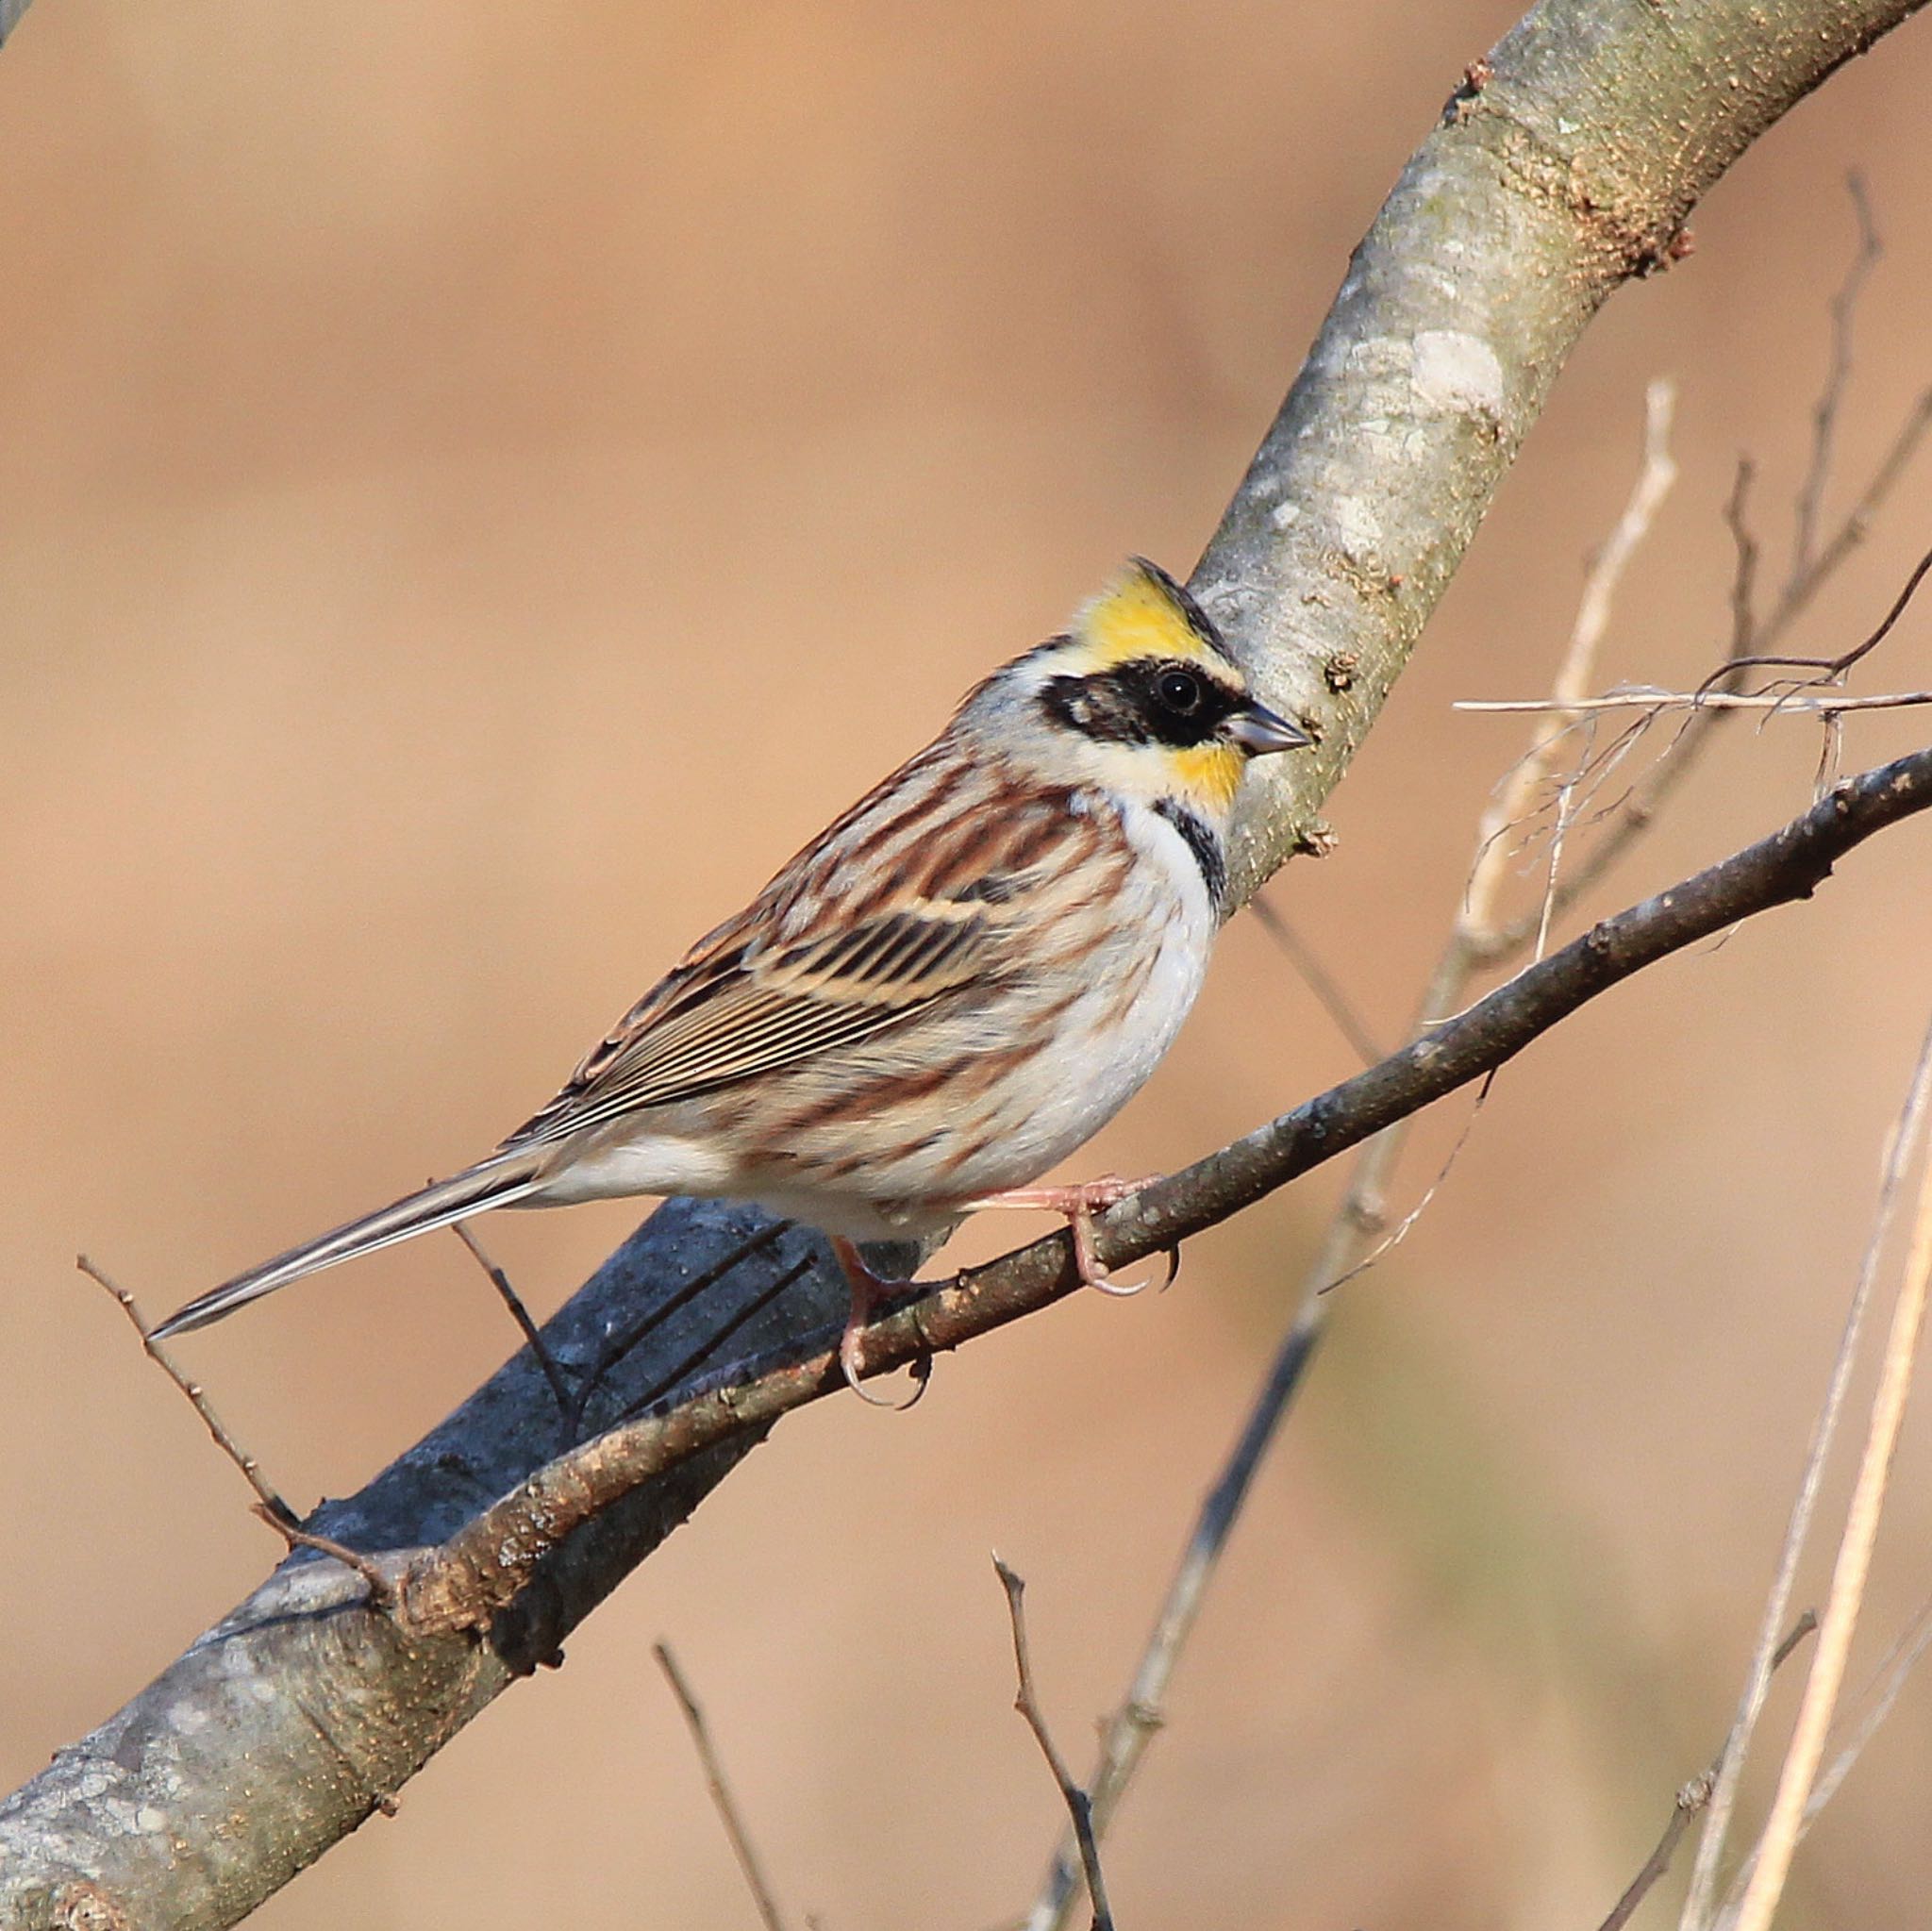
(1078,1205)
(868,1290)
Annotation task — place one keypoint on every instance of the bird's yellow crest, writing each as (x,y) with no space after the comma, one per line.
(1145,613)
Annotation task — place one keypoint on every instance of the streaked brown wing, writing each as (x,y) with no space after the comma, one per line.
(935,882)
(737,1011)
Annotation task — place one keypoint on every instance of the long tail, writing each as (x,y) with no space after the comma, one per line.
(496,1182)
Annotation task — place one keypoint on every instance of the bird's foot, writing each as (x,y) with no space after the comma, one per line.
(1078,1205)
(869,1292)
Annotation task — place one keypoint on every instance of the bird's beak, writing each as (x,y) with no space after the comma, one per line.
(1258,730)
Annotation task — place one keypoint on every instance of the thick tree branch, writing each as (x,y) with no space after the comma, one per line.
(1565,166)
(1569,170)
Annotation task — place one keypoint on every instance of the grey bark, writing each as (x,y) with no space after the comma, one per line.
(1564,166)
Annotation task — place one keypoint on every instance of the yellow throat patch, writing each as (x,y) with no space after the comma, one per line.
(1208,775)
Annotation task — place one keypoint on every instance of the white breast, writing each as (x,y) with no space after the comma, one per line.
(1104,1052)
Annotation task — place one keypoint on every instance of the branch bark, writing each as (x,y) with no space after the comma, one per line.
(1564,166)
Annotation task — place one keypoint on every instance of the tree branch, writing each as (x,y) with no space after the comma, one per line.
(482,1570)
(1566,171)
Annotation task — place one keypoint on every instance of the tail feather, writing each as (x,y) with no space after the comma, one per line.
(496,1182)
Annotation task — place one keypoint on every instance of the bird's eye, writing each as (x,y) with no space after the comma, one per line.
(1178,691)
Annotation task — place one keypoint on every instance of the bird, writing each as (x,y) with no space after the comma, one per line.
(944,995)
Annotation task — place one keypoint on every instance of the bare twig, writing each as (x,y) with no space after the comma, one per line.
(1692,1799)
(1715,692)
(1353,1215)
(1516,797)
(1744,571)
(1654,481)
(1329,991)
(1640,809)
(1027,1703)
(1879,1699)
(1849,1573)
(1832,670)
(1845,312)
(1904,1141)
(720,1789)
(566,1405)
(1659,702)
(272,1506)
(380,1585)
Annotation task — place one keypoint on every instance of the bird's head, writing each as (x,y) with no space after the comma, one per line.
(1141,696)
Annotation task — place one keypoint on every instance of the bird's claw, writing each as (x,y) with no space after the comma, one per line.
(868,1290)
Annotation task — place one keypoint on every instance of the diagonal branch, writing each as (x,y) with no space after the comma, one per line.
(1900,1152)
(480,1571)
(1806,1751)
(1080,1806)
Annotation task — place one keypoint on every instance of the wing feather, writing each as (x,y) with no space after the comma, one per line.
(820,960)
(767,1010)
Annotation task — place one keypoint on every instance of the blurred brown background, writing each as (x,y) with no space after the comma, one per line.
(478,485)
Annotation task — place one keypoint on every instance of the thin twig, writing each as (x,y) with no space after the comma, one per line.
(381,1586)
(1878,1700)
(1640,809)
(1691,1800)
(1027,1703)
(1715,693)
(1832,670)
(1405,1225)
(1744,568)
(1902,1144)
(1517,796)
(1330,994)
(566,1405)
(1845,312)
(1650,699)
(1848,1578)
(276,1510)
(1857,525)
(720,1789)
